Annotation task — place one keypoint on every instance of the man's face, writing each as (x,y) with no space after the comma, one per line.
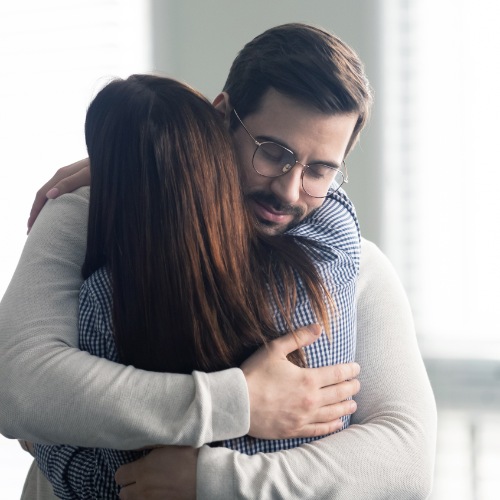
(280,202)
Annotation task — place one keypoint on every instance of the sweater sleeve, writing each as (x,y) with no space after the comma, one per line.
(387,452)
(51,392)
(77,472)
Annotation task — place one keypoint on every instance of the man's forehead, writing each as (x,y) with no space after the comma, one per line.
(275,106)
(274,98)
(285,120)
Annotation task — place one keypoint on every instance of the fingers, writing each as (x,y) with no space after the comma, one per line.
(333,394)
(70,183)
(319,411)
(125,475)
(128,492)
(36,208)
(125,478)
(65,180)
(332,375)
(320,429)
(295,340)
(331,413)
(327,420)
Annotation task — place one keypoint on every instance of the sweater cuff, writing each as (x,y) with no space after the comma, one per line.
(230,404)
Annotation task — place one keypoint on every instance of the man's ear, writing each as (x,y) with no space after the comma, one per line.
(222,104)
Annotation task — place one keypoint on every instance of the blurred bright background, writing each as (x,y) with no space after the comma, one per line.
(424,177)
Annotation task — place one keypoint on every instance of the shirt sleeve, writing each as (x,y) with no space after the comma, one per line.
(77,472)
(387,452)
(113,406)
(80,473)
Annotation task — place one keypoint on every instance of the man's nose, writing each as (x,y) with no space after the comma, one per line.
(288,187)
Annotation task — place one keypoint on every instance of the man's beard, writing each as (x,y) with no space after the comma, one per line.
(272,201)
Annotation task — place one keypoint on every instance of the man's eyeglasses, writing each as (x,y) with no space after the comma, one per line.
(271,159)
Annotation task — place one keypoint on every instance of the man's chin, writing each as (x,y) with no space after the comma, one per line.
(272,228)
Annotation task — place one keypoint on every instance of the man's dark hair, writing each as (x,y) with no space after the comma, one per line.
(305,63)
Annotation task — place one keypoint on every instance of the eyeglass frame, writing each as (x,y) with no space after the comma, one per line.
(258,144)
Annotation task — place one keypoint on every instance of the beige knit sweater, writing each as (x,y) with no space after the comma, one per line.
(51,392)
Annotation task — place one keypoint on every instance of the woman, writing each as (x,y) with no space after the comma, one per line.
(178,277)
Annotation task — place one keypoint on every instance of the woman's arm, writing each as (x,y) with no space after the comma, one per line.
(54,393)
(51,392)
(66,180)
(77,472)
(387,452)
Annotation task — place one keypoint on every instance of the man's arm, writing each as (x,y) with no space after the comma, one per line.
(51,392)
(387,452)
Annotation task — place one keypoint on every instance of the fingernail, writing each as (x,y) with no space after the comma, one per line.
(52,193)
(353,406)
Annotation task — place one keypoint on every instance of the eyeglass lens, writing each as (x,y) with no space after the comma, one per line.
(273,160)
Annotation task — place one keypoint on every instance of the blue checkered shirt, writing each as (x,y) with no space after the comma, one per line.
(89,472)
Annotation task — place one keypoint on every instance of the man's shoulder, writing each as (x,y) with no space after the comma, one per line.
(372,259)
(377,275)
(369,250)
(372,255)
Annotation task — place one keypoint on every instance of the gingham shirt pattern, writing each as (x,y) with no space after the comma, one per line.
(89,473)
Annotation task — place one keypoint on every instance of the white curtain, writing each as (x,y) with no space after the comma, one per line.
(441,168)
(54,55)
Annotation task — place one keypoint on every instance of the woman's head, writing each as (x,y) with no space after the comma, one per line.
(190,276)
(165,202)
(160,155)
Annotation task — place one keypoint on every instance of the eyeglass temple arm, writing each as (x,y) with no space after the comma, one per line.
(257,143)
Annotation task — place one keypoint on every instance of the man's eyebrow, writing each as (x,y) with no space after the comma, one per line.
(270,138)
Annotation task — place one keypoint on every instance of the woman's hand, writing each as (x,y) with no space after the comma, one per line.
(65,180)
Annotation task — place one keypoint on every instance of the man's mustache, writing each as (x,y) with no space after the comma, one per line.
(275,203)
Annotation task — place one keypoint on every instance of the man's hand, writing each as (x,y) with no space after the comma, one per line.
(287,401)
(65,180)
(167,472)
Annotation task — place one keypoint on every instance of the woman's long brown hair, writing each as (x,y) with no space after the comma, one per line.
(192,278)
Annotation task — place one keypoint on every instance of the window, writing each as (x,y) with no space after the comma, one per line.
(55,55)
(442,178)
(440,219)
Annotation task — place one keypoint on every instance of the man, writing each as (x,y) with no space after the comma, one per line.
(388,456)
